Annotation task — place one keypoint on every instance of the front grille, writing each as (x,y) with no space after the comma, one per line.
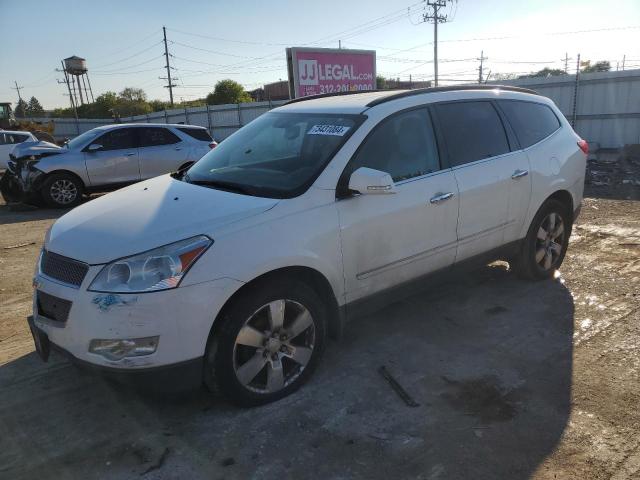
(52,307)
(62,268)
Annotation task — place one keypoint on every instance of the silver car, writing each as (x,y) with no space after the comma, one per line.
(101,159)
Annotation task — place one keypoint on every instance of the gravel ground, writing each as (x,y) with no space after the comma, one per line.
(514,380)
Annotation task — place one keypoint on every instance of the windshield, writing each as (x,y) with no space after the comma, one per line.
(82,139)
(277,155)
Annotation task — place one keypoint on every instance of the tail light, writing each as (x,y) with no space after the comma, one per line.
(584,146)
(213,144)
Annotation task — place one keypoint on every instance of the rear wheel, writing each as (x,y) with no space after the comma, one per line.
(269,344)
(545,246)
(62,190)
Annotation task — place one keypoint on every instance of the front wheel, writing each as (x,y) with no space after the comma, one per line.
(269,343)
(62,190)
(546,243)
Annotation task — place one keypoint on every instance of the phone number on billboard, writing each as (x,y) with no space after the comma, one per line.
(345,87)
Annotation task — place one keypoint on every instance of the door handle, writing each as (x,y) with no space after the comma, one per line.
(129,154)
(519,174)
(441,197)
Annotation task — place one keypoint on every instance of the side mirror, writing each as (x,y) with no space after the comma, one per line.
(95,147)
(368,181)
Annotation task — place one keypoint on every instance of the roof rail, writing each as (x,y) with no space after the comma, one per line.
(337,94)
(453,88)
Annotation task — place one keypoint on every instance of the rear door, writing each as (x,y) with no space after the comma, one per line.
(161,151)
(200,142)
(492,174)
(533,124)
(117,160)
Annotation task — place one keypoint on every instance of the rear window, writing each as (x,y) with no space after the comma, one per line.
(472,131)
(197,133)
(532,122)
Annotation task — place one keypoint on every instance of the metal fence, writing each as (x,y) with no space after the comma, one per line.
(607,104)
(220,120)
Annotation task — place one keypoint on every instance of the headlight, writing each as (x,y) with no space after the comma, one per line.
(158,269)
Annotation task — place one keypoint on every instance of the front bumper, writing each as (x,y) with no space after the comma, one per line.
(181,317)
(20,182)
(177,377)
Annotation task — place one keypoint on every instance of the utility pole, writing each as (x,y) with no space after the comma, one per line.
(71,98)
(17,88)
(482,58)
(339,44)
(436,18)
(624,58)
(575,94)
(166,55)
(566,62)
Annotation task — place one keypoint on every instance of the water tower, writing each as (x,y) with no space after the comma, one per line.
(76,73)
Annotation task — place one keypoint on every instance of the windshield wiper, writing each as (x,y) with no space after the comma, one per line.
(222,185)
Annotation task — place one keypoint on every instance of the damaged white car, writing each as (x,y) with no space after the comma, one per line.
(234,272)
(102,159)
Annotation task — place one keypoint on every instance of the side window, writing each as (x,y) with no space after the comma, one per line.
(403,146)
(197,133)
(2,140)
(17,138)
(472,131)
(118,139)
(152,136)
(532,122)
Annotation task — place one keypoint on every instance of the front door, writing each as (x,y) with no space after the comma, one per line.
(117,160)
(388,239)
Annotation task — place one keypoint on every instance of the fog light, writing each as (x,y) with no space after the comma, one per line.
(118,349)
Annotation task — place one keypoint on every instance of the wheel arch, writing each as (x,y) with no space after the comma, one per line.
(308,275)
(564,197)
(65,172)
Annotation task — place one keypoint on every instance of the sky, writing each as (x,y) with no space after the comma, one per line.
(246,40)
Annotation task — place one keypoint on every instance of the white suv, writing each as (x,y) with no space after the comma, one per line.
(235,272)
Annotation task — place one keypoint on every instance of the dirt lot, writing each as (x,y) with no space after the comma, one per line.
(514,380)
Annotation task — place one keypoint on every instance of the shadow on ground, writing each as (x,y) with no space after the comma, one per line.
(488,358)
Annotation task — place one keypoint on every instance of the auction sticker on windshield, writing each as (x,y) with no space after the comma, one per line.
(337,130)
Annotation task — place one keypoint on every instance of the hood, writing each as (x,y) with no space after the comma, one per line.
(38,149)
(146,215)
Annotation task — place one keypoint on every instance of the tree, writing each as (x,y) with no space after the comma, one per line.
(600,66)
(34,108)
(228,91)
(504,76)
(381,82)
(21,109)
(131,101)
(130,94)
(545,72)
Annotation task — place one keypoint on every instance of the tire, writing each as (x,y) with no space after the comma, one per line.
(543,249)
(62,190)
(250,362)
(10,189)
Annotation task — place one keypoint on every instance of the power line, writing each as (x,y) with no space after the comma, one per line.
(130,56)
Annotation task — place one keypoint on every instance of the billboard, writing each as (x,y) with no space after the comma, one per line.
(313,71)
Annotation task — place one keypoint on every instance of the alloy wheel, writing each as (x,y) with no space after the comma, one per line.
(274,346)
(63,191)
(549,241)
